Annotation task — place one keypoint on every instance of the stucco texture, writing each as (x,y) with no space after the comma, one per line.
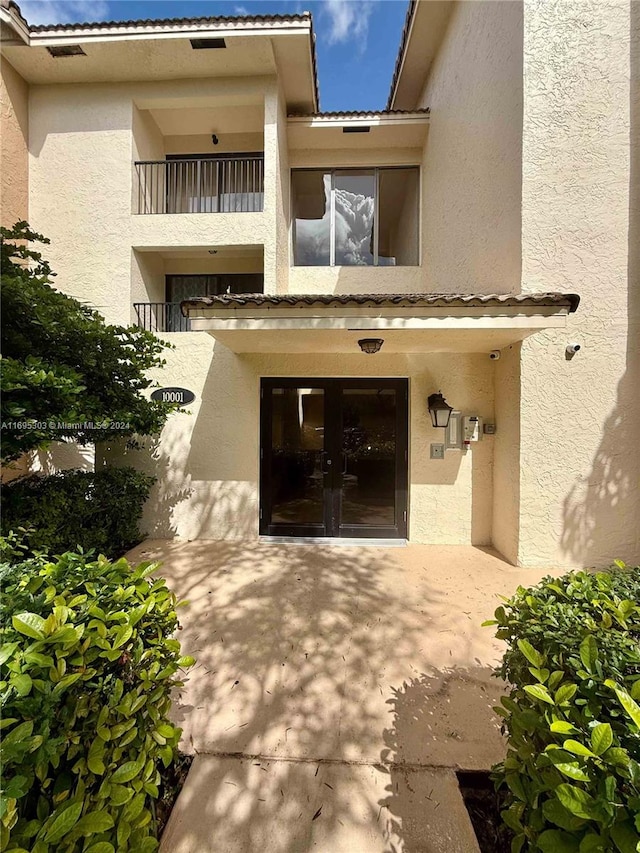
(14,169)
(471,166)
(579,418)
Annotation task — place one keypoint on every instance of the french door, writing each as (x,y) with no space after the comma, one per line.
(334,458)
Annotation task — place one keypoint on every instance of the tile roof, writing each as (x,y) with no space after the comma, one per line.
(361,113)
(411,8)
(454,300)
(182,22)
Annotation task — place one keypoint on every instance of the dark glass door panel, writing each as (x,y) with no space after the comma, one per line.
(334,457)
(369,457)
(297,454)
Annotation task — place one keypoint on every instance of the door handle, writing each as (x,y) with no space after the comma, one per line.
(345,463)
(325,462)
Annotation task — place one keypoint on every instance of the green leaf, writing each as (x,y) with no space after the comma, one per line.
(94,822)
(555,812)
(625,837)
(563,728)
(95,757)
(593,844)
(6,651)
(589,653)
(530,653)
(630,706)
(186,661)
(62,822)
(557,841)
(565,693)
(537,691)
(573,771)
(577,801)
(21,684)
(29,624)
(20,733)
(127,771)
(577,748)
(101,847)
(120,795)
(601,738)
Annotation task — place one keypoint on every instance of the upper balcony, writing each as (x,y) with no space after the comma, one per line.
(200,184)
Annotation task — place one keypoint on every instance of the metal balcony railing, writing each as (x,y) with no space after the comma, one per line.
(161,317)
(221,185)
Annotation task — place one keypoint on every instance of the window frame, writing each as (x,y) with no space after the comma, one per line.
(332,170)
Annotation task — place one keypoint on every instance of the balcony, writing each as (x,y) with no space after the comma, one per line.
(161,317)
(221,184)
(165,316)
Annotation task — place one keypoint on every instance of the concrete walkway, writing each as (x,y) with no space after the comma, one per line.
(336,691)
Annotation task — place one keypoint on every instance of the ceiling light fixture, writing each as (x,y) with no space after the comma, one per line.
(370,345)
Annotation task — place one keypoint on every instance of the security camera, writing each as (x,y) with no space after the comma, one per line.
(494,355)
(572,349)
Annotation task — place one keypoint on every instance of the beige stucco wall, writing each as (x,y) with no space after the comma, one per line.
(208,460)
(83,141)
(14,135)
(472,160)
(506,462)
(580,419)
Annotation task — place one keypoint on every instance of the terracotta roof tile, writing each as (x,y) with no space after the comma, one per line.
(524,300)
(183,22)
(361,113)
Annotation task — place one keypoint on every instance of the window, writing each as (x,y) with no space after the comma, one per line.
(355,217)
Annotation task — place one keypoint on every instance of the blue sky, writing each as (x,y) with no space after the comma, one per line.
(357,40)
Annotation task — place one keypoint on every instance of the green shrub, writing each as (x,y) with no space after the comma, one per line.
(572,716)
(88,668)
(78,509)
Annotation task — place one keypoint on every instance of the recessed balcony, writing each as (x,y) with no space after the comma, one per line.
(164,278)
(186,184)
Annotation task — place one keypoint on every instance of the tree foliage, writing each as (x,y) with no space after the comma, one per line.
(66,373)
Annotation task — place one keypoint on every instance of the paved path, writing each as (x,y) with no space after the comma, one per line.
(336,691)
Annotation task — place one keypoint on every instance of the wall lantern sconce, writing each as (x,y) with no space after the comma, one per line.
(370,345)
(439,410)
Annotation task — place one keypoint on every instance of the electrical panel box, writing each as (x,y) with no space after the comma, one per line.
(471,429)
(453,432)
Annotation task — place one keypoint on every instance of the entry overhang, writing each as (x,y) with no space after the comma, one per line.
(426,322)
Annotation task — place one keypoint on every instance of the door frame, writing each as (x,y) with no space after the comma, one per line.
(332,484)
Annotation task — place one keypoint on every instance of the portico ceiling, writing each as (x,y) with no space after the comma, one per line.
(428,322)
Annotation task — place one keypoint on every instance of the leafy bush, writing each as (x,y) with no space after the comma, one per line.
(78,509)
(572,716)
(88,668)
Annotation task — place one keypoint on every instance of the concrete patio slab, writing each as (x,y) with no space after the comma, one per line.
(354,657)
(232,805)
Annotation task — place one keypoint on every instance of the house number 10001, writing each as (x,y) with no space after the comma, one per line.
(173,395)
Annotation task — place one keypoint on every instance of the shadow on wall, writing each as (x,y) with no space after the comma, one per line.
(605,508)
(294,659)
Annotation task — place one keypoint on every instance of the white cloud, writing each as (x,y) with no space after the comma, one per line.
(349,20)
(241,10)
(64,11)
